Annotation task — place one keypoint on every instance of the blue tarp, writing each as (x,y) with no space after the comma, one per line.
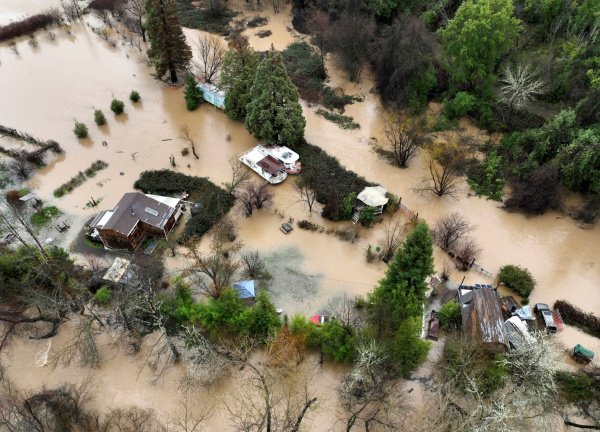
(213,95)
(245,289)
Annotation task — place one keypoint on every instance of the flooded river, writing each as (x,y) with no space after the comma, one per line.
(44,89)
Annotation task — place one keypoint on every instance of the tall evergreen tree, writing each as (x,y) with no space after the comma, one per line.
(191,93)
(237,76)
(400,294)
(168,49)
(274,114)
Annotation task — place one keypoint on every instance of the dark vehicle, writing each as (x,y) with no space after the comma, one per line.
(547,319)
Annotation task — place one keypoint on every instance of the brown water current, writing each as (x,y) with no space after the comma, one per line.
(43,90)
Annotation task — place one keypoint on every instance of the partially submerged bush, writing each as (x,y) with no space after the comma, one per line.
(26,26)
(450,316)
(103,296)
(215,201)
(80,130)
(572,315)
(134,96)
(99,117)
(518,279)
(117,106)
(332,182)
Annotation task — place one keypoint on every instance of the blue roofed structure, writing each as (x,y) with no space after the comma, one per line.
(245,289)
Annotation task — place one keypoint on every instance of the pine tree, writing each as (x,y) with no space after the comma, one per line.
(274,114)
(237,76)
(400,294)
(169,50)
(412,263)
(191,93)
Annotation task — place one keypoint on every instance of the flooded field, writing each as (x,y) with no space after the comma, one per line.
(45,89)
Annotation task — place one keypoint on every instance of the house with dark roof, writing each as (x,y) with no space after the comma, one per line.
(135,217)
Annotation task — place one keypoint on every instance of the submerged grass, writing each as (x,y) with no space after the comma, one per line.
(345,122)
(192,16)
(78,179)
(44,215)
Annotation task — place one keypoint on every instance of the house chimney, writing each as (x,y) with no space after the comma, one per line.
(132,212)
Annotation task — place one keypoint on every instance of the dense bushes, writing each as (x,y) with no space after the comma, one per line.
(304,68)
(134,96)
(572,315)
(226,315)
(214,20)
(26,26)
(215,201)
(518,279)
(450,315)
(99,117)
(331,181)
(103,296)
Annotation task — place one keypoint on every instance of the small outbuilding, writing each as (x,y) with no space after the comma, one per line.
(482,318)
(373,196)
(245,289)
(213,95)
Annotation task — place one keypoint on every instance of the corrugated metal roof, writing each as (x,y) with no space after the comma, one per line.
(482,317)
(245,289)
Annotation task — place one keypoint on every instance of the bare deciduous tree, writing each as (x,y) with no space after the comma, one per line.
(254,196)
(449,230)
(239,175)
(444,162)
(187,137)
(520,84)
(467,250)
(368,394)
(405,138)
(306,193)
(20,168)
(213,272)
(351,38)
(394,233)
(272,399)
(319,27)
(525,400)
(252,264)
(135,17)
(211,52)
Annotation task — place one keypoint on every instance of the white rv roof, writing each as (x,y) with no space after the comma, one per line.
(284,154)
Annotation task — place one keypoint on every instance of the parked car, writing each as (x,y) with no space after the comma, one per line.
(547,319)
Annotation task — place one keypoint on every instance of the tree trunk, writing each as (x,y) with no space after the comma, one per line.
(173,72)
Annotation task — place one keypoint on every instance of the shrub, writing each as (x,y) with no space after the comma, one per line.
(300,326)
(518,279)
(336,342)
(103,296)
(368,216)
(576,387)
(191,93)
(99,117)
(80,130)
(344,122)
(572,315)
(26,26)
(117,106)
(537,193)
(459,106)
(332,181)
(450,316)
(215,200)
(185,151)
(134,96)
(43,216)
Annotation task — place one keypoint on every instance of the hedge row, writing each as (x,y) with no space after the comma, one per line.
(26,26)
(574,316)
(330,180)
(215,201)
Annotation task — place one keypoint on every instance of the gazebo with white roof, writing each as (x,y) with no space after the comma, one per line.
(374,196)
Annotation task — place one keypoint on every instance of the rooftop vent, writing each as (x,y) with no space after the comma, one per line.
(151,211)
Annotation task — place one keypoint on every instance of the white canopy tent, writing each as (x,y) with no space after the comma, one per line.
(374,196)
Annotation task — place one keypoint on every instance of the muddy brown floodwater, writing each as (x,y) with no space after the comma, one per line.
(43,90)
